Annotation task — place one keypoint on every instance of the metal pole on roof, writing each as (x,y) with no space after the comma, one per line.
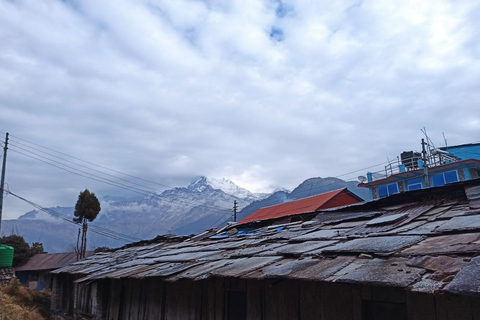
(425,165)
(2,182)
(235,210)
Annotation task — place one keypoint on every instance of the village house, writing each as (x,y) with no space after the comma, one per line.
(418,170)
(414,255)
(305,206)
(35,273)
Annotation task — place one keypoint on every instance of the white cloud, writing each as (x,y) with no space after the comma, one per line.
(168,90)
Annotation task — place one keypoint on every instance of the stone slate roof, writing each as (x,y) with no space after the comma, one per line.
(425,240)
(49,261)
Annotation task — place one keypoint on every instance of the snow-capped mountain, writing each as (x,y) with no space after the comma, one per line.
(225,185)
(203,204)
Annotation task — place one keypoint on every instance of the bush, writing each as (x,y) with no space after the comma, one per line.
(22,251)
(19,303)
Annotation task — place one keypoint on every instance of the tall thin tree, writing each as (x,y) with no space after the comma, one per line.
(86,209)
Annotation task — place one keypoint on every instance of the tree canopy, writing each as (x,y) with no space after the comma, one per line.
(87,207)
(21,250)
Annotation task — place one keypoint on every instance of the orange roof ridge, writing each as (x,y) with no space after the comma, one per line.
(299,206)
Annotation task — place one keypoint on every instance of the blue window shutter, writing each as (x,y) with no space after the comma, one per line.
(451,176)
(382,191)
(438,180)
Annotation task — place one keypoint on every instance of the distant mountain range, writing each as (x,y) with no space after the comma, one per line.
(203,204)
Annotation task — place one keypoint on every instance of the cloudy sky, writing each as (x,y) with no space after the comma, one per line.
(266,93)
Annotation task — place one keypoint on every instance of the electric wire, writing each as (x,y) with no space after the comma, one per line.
(104,231)
(96,229)
(116,184)
(80,165)
(94,177)
(145,193)
(91,163)
(81,171)
(127,187)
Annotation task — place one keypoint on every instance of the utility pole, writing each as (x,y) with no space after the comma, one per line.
(235,210)
(2,182)
(425,165)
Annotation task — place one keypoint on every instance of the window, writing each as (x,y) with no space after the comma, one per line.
(414,184)
(388,190)
(382,191)
(392,188)
(451,176)
(443,178)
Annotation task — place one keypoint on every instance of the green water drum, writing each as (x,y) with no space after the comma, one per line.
(6,256)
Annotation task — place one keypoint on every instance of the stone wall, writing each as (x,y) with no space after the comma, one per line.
(6,274)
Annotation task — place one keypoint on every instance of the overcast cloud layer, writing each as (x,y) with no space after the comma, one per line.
(266,93)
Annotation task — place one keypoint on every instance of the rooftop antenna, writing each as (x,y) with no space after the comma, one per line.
(430,142)
(445,139)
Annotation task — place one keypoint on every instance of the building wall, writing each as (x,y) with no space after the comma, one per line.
(341,199)
(466,152)
(6,275)
(240,299)
(63,294)
(35,279)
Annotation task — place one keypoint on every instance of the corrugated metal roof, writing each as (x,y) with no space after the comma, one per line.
(306,205)
(412,246)
(50,261)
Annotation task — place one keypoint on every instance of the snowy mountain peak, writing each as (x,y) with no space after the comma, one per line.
(222,184)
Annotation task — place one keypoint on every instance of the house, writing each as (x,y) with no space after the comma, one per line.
(464,151)
(337,198)
(431,168)
(413,255)
(36,272)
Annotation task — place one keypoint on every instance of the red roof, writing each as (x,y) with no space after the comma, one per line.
(330,199)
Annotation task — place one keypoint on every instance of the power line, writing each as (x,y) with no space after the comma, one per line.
(81,171)
(96,229)
(91,163)
(117,184)
(83,166)
(94,177)
(98,178)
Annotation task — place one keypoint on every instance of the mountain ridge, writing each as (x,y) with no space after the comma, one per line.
(203,204)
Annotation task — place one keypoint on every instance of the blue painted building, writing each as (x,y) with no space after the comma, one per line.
(430,168)
(464,151)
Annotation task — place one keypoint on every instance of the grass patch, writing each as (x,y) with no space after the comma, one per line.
(21,303)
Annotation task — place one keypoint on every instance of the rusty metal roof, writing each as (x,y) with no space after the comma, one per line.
(420,245)
(49,261)
(305,205)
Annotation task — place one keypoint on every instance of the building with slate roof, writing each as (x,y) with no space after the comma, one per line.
(413,255)
(35,273)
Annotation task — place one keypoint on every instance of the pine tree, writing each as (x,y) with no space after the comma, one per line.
(86,209)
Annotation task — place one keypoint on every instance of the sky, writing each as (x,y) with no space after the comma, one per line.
(265,93)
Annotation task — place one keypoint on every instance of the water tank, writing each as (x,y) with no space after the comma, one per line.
(410,159)
(6,256)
